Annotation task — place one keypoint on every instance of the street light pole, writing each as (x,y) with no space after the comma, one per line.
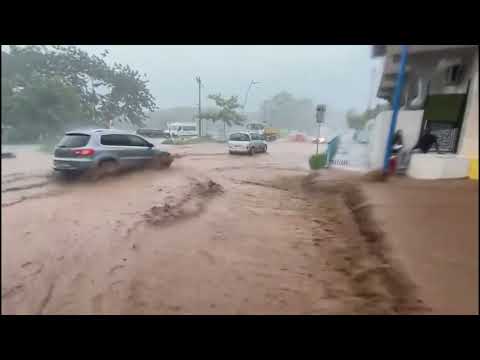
(246,95)
(318,137)
(320,116)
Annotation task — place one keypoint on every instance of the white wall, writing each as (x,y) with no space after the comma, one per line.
(438,166)
(468,145)
(408,121)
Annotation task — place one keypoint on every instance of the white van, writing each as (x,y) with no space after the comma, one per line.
(255,128)
(183,129)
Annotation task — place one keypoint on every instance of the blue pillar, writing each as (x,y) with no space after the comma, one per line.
(396,106)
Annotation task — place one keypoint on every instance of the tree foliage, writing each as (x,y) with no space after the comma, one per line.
(358,121)
(285,111)
(46,89)
(226,111)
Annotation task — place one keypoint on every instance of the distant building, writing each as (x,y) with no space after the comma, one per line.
(441,91)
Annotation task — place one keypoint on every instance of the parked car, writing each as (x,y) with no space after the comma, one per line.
(103,151)
(245,142)
(297,136)
(320,140)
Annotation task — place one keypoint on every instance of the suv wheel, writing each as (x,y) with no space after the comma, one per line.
(103,169)
(162,161)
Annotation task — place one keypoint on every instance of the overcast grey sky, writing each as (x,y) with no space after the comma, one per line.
(339,76)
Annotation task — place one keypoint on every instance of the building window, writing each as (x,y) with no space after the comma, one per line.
(453,74)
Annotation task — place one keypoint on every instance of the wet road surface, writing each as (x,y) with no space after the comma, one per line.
(213,234)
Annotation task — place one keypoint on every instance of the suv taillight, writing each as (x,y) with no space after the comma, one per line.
(84,152)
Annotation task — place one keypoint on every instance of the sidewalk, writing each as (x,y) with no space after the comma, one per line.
(433,229)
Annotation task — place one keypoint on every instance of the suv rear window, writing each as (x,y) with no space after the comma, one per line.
(74,140)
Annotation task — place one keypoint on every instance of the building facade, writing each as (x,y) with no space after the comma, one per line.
(441,87)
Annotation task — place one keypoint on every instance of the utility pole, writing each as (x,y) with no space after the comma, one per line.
(246,95)
(199,81)
(395,106)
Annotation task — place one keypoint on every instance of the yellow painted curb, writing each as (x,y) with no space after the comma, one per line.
(473,169)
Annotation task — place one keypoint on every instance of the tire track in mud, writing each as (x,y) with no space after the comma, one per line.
(13,291)
(15,177)
(26,187)
(34,196)
(46,299)
(50,179)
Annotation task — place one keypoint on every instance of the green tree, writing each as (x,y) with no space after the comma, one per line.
(51,104)
(227,111)
(68,83)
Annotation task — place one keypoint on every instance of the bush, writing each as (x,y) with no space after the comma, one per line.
(318,161)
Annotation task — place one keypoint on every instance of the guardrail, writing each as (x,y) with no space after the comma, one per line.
(340,162)
(332,148)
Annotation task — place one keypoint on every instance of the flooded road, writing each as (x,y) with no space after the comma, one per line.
(213,234)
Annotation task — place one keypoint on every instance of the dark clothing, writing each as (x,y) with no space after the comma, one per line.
(397,143)
(398,139)
(425,143)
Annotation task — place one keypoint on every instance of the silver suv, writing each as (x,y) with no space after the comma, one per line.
(103,151)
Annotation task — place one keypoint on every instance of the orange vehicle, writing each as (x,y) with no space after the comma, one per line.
(271,134)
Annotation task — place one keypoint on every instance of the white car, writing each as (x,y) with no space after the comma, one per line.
(255,128)
(244,142)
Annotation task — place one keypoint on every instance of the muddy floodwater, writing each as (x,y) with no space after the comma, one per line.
(213,234)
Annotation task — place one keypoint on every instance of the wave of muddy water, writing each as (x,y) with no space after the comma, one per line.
(214,234)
